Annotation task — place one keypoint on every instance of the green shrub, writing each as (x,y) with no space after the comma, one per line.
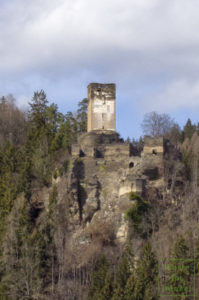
(136,212)
(67,165)
(60,171)
(79,160)
(133,196)
(55,174)
(102,168)
(52,200)
(4,292)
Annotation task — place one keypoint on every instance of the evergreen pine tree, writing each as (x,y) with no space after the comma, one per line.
(52,121)
(121,277)
(107,290)
(8,162)
(180,249)
(123,273)
(181,269)
(82,115)
(189,129)
(146,275)
(38,105)
(197,269)
(98,279)
(130,287)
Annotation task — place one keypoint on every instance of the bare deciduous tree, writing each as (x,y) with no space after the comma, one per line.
(155,124)
(12,122)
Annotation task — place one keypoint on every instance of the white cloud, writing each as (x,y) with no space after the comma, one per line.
(179,94)
(150,48)
(22,102)
(37,34)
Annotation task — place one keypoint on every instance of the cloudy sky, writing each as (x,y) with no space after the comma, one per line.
(149,48)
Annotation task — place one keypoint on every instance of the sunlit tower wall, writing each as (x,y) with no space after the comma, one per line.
(101,107)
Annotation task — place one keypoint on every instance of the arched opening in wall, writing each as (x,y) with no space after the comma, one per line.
(154,151)
(81,153)
(169,183)
(98,154)
(131,165)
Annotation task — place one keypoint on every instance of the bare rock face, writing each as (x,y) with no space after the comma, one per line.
(104,173)
(93,196)
(122,232)
(92,203)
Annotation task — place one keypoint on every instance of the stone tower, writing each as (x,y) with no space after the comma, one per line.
(101,107)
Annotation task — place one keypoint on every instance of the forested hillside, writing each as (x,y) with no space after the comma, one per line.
(33,146)
(36,257)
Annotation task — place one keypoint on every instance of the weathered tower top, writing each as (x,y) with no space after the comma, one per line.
(101,107)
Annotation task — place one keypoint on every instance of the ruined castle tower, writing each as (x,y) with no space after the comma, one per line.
(104,155)
(101,107)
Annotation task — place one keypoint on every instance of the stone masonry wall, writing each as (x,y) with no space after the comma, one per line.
(101,107)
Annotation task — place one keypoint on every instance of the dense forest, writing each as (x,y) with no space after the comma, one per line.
(35,146)
(30,146)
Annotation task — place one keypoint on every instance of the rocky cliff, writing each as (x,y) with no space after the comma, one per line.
(90,209)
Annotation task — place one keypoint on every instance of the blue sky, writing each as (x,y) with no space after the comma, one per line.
(149,48)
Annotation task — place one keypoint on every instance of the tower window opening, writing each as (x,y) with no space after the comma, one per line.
(154,151)
(131,165)
(99,87)
(81,154)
